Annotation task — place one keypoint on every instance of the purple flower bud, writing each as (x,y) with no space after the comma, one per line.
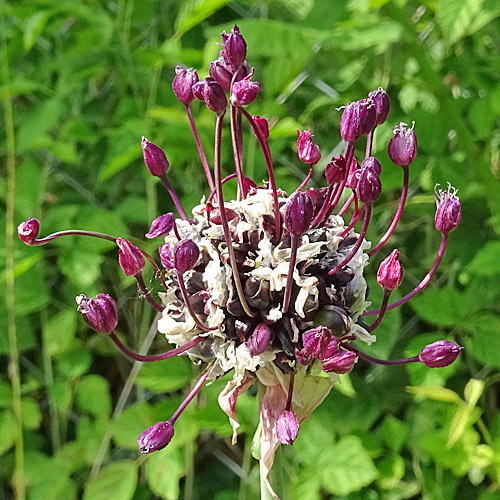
(28,230)
(262,125)
(245,91)
(98,313)
(287,427)
(357,119)
(183,81)
(222,72)
(166,256)
(341,362)
(161,226)
(372,162)
(382,104)
(154,158)
(308,151)
(186,254)
(390,272)
(439,354)
(402,147)
(259,340)
(299,211)
(130,257)
(155,438)
(316,342)
(448,213)
(368,187)
(235,46)
(353,176)
(212,94)
(336,170)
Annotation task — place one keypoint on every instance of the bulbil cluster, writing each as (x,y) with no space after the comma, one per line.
(270,285)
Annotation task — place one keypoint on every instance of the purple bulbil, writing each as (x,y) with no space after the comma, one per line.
(99,313)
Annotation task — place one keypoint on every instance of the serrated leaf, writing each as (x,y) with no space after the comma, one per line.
(59,332)
(115,482)
(92,395)
(165,376)
(486,261)
(350,467)
(163,472)
(484,344)
(435,392)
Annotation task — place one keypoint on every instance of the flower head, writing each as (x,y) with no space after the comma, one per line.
(28,230)
(287,427)
(299,212)
(186,253)
(130,257)
(161,226)
(402,147)
(183,82)
(448,211)
(390,272)
(358,119)
(382,104)
(439,354)
(308,151)
(156,437)
(154,158)
(99,313)
(235,46)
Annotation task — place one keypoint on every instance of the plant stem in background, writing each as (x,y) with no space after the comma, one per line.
(10,303)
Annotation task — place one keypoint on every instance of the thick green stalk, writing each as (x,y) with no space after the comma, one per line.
(10,302)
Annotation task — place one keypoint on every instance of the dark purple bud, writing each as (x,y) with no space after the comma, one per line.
(222,72)
(341,362)
(372,162)
(308,151)
(448,213)
(186,254)
(245,91)
(358,119)
(262,125)
(155,438)
(299,211)
(154,158)
(28,230)
(335,319)
(439,354)
(382,104)
(336,170)
(316,341)
(212,94)
(167,256)
(287,427)
(98,313)
(183,81)
(235,46)
(161,226)
(402,147)
(368,187)
(130,257)
(390,272)
(259,340)
(353,176)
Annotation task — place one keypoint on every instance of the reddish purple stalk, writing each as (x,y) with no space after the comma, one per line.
(421,285)
(146,294)
(306,180)
(154,357)
(175,198)
(201,152)
(399,211)
(383,308)
(362,234)
(223,216)
(238,164)
(291,268)
(378,361)
(354,219)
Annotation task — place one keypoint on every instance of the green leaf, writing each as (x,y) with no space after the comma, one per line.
(486,261)
(81,267)
(128,426)
(458,425)
(92,395)
(59,332)
(164,469)
(473,391)
(5,395)
(31,415)
(33,27)
(484,344)
(394,433)
(350,467)
(391,471)
(115,482)
(38,122)
(74,362)
(58,487)
(435,392)
(193,12)
(166,376)
(7,431)
(119,162)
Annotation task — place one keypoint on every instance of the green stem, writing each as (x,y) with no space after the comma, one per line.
(10,301)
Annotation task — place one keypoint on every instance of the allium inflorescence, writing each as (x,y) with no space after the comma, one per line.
(270,285)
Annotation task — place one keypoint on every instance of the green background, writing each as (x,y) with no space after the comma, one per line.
(87,80)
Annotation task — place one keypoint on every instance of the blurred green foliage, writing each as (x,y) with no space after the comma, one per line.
(88,78)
